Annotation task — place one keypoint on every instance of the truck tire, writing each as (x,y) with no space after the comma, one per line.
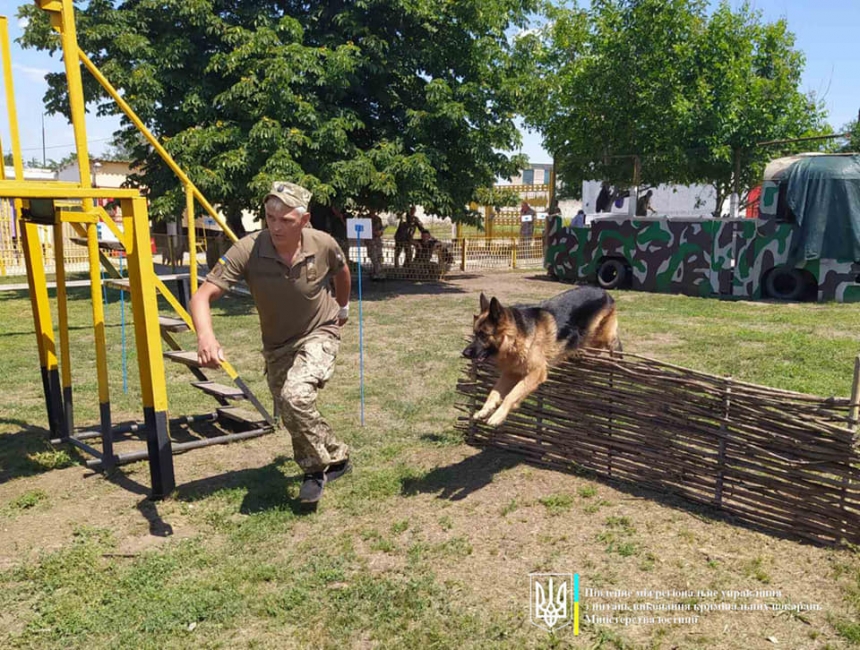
(785,283)
(611,274)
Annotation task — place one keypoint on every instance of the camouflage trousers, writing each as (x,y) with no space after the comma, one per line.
(296,373)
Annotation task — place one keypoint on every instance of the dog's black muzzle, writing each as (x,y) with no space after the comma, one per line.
(477,352)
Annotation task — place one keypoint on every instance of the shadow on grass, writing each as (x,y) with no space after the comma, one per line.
(389,289)
(458,481)
(268,488)
(28,452)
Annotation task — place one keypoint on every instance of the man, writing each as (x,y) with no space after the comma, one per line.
(643,205)
(424,247)
(377,228)
(403,237)
(527,223)
(287,268)
(578,220)
(604,198)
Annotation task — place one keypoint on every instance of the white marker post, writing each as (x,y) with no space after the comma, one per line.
(354,230)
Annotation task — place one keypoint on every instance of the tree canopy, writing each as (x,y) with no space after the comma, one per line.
(679,85)
(853,131)
(386,103)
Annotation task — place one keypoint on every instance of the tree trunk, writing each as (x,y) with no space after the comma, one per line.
(721,196)
(234,219)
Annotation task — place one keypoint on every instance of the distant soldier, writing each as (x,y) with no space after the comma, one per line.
(527,222)
(375,246)
(604,198)
(643,205)
(403,237)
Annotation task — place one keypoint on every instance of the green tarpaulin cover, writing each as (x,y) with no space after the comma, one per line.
(824,194)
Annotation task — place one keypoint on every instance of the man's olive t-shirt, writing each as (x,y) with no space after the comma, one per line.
(292,301)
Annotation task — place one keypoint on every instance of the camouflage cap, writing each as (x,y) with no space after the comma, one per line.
(290,194)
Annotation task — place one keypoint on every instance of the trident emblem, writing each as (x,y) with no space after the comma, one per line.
(551,594)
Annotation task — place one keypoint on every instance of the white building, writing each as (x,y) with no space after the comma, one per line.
(31,173)
(103,173)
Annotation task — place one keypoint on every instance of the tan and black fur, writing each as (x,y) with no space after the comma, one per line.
(525,339)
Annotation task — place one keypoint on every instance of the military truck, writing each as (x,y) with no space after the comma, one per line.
(805,244)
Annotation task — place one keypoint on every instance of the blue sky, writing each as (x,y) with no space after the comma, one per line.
(826,30)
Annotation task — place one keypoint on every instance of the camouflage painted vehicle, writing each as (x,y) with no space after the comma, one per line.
(741,258)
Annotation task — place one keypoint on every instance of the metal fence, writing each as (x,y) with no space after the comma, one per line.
(12,255)
(467,254)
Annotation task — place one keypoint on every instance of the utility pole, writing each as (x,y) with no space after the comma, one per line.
(634,191)
(44,158)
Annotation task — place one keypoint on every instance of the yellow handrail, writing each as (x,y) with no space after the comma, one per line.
(183,177)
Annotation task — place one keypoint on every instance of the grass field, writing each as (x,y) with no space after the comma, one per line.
(429,542)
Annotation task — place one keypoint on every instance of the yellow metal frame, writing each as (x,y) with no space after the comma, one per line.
(134,235)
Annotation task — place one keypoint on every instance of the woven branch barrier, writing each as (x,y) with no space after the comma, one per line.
(785,462)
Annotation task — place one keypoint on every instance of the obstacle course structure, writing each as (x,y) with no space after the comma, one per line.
(46,204)
(784,462)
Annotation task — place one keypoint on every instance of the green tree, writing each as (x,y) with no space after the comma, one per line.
(683,88)
(124,147)
(66,160)
(385,103)
(853,131)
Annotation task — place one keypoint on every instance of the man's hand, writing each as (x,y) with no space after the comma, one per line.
(343,315)
(209,352)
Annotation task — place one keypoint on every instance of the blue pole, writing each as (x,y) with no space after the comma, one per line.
(102,271)
(358,229)
(122,329)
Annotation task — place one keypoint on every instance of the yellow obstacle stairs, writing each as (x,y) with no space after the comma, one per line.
(47,203)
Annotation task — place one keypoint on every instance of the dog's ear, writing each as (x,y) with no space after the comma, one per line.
(496,310)
(485,304)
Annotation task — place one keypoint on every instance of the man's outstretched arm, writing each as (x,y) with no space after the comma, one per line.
(342,287)
(209,351)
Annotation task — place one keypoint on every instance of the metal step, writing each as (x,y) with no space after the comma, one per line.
(219,390)
(104,245)
(241,416)
(185,357)
(118,283)
(124,283)
(169,324)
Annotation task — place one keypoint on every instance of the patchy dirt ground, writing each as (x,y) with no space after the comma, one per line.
(482,519)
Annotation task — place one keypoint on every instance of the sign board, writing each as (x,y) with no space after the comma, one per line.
(526,218)
(106,234)
(353,226)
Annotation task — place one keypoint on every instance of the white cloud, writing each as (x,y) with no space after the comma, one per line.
(33,74)
(23,23)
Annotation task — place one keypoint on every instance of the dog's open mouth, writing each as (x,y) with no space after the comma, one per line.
(483,355)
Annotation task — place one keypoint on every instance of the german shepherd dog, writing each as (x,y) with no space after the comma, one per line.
(525,339)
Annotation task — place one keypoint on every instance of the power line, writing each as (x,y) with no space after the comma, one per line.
(63,146)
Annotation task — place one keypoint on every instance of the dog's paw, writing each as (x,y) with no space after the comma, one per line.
(481,415)
(497,419)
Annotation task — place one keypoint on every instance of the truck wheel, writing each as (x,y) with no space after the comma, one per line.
(611,274)
(785,283)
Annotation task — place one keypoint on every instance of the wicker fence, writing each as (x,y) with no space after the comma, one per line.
(785,462)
